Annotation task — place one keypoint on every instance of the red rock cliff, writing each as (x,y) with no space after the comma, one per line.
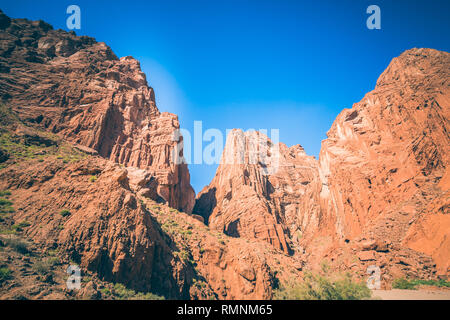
(77,88)
(385,160)
(382,178)
(263,191)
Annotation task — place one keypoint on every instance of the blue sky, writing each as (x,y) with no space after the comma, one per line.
(290,65)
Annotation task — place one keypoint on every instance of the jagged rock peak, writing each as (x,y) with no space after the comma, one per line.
(261,190)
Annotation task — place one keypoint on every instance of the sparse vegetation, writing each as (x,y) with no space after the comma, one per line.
(7,116)
(20,226)
(17,244)
(412,284)
(45,265)
(120,292)
(5,204)
(323,286)
(200,284)
(5,274)
(64,213)
(32,144)
(4,193)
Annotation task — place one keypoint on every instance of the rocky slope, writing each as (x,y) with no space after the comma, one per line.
(78,88)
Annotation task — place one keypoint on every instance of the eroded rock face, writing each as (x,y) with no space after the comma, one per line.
(384,158)
(382,176)
(106,230)
(262,191)
(124,237)
(78,88)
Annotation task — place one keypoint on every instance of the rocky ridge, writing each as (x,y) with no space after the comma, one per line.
(77,88)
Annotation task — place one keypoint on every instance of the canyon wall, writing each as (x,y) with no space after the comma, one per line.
(382,175)
(384,160)
(77,88)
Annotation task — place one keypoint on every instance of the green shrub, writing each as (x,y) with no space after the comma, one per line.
(123,293)
(5,274)
(17,244)
(403,284)
(64,213)
(45,265)
(5,202)
(323,287)
(19,226)
(411,284)
(5,193)
(93,179)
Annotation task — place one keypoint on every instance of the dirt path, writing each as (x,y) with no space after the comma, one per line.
(422,294)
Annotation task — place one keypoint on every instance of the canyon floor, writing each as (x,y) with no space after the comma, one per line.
(421,294)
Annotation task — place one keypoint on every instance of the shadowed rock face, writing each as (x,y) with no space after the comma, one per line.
(77,88)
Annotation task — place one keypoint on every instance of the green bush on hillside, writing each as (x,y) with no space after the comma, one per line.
(5,274)
(317,286)
(120,292)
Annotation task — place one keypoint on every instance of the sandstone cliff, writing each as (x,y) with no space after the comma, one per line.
(263,191)
(383,163)
(379,191)
(78,88)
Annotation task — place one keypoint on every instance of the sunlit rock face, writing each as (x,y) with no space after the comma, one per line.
(382,177)
(78,88)
(262,190)
(385,164)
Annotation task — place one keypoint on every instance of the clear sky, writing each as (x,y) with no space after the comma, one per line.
(290,65)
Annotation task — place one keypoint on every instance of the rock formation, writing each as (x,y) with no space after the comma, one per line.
(382,177)
(263,191)
(86,158)
(78,88)
(87,161)
(384,160)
